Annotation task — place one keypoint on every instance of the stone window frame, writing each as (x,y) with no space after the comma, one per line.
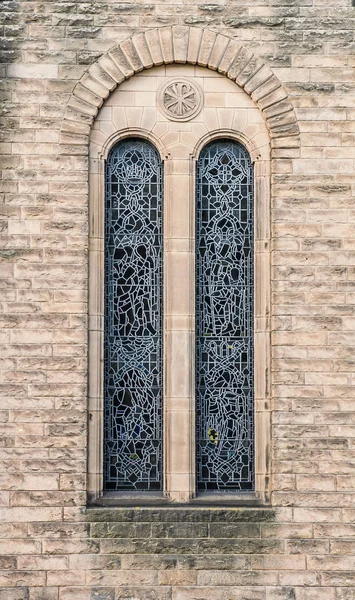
(218,52)
(260,158)
(261,162)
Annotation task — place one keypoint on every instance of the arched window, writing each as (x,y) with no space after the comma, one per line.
(224,318)
(211,430)
(133,318)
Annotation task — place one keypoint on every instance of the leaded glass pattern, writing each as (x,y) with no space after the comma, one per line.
(224,318)
(133,318)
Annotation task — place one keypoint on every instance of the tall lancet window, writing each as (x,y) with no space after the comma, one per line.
(133,318)
(224,318)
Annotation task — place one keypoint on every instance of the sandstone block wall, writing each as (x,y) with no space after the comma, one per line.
(299,547)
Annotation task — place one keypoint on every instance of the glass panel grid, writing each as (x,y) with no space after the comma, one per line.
(133,318)
(224,318)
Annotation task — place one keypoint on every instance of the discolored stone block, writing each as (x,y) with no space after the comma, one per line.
(10,593)
(180,39)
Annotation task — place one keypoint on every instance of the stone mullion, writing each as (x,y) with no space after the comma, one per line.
(179,331)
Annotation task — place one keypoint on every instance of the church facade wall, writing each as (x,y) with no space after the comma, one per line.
(75,77)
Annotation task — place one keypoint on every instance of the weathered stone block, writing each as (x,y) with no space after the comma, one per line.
(180,39)
(45,593)
(179,530)
(206,45)
(153,41)
(10,593)
(157,515)
(121,61)
(132,55)
(87,593)
(143,51)
(120,530)
(231,530)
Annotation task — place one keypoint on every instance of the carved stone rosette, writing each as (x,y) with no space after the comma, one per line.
(180,99)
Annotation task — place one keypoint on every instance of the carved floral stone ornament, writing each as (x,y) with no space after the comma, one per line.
(180,99)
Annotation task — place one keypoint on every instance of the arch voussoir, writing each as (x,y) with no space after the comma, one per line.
(141,45)
(194,45)
(206,46)
(153,40)
(182,44)
(261,76)
(218,51)
(180,38)
(130,51)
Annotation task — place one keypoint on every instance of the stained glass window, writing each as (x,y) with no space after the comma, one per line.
(133,318)
(224,318)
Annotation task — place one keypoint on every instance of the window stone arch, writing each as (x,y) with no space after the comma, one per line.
(279,136)
(180,45)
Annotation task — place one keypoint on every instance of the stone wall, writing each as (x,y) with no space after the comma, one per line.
(299,547)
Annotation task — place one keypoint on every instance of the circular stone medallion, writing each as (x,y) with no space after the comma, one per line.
(180,100)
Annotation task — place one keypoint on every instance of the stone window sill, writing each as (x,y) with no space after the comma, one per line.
(158,500)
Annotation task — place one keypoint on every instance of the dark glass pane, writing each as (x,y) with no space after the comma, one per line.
(133,318)
(224,318)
